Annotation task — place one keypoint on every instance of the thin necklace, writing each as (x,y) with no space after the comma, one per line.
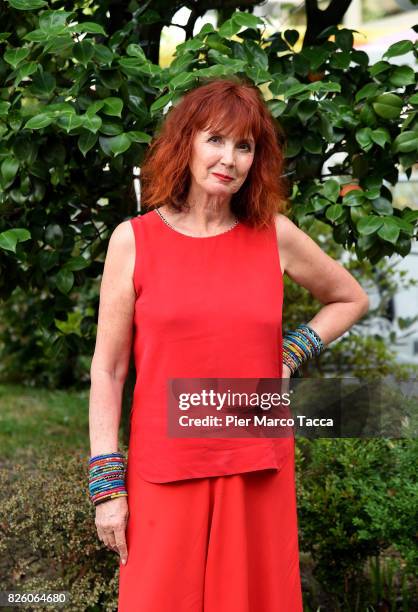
(173,228)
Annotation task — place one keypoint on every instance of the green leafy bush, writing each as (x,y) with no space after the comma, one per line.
(48,535)
(356,499)
(78,106)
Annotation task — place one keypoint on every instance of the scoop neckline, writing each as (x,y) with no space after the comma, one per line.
(169,227)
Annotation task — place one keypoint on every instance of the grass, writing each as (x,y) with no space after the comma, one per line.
(32,418)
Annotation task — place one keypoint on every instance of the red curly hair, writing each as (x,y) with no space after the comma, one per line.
(234,106)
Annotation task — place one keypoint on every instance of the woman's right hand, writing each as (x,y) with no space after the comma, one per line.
(111,519)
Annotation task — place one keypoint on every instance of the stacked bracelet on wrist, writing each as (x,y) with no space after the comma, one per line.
(300,345)
(106,477)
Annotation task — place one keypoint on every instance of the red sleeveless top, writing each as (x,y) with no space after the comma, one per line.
(205,307)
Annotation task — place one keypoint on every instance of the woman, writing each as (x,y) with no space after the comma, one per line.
(197,284)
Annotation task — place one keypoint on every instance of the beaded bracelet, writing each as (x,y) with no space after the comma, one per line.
(300,345)
(106,477)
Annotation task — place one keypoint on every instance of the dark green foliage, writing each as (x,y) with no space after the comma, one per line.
(356,499)
(78,105)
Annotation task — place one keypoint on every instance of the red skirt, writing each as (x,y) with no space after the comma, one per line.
(216,544)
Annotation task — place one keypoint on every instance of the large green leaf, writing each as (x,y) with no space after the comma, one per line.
(229,28)
(402,75)
(399,48)
(340,60)
(276,107)
(76,263)
(334,212)
(132,67)
(159,103)
(83,52)
(388,106)
(246,20)
(324,86)
(38,36)
(135,50)
(389,231)
(367,91)
(193,44)
(236,22)
(53,21)
(257,57)
(70,122)
(111,128)
(364,138)
(10,238)
(38,122)
(382,206)
(313,143)
(27,5)
(93,107)
(88,26)
(113,106)
(406,142)
(120,144)
(344,39)
(404,225)
(182,80)
(43,83)
(24,148)
(369,225)
(64,280)
(305,109)
(212,71)
(410,216)
(380,136)
(136,136)
(93,123)
(331,189)
(103,55)
(379,68)
(86,141)
(15,56)
(9,168)
(257,75)
(4,108)
(24,71)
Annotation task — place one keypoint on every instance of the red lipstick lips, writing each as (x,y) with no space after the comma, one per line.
(224,177)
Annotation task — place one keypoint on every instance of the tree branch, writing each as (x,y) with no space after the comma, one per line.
(317,20)
(209,5)
(189,27)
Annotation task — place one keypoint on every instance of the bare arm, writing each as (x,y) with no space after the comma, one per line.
(327,280)
(110,361)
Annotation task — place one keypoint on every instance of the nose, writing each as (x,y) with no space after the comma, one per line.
(228,155)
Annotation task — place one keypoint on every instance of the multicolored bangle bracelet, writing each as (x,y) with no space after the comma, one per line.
(300,345)
(106,477)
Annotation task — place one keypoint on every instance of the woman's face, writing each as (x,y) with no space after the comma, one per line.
(214,156)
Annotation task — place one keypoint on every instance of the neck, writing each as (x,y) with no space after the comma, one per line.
(204,215)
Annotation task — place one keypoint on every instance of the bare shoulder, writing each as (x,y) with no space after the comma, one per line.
(122,236)
(286,232)
(285,227)
(120,258)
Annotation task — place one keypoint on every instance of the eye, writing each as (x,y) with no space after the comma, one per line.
(244,143)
